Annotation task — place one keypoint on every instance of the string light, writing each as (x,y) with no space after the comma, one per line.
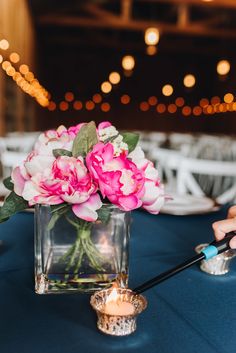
(152,100)
(114,78)
(161,108)
(4,45)
(125,99)
(52,106)
(97,98)
(69,96)
(172,108)
(14,57)
(63,106)
(189,81)
(186,110)
(5,64)
(24,69)
(151,50)
(106,87)
(215,100)
(105,107)
(204,102)
(228,98)
(167,90)
(179,101)
(77,105)
(197,111)
(144,106)
(151,36)
(223,67)
(128,62)
(89,105)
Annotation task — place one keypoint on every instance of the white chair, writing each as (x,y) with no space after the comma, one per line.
(214,172)
(167,162)
(10,159)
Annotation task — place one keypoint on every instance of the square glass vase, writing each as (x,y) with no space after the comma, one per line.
(72,255)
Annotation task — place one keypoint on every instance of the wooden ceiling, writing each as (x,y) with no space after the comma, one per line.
(215,18)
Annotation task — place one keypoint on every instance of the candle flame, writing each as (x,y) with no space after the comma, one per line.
(113,296)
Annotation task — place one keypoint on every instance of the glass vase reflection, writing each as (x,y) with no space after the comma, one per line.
(74,255)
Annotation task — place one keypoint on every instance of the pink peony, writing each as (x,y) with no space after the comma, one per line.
(50,181)
(118,178)
(56,139)
(153,197)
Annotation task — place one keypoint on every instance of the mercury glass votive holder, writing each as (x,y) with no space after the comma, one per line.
(219,264)
(117,325)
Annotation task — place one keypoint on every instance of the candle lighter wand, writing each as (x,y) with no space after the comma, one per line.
(213,249)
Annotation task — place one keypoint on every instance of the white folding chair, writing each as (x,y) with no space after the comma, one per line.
(167,162)
(211,170)
(10,159)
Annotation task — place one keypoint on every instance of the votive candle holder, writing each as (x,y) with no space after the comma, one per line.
(117,325)
(217,265)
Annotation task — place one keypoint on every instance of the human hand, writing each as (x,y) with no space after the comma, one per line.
(226,225)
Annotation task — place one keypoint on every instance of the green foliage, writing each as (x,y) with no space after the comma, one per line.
(12,204)
(85,140)
(57,211)
(8,183)
(61,152)
(131,139)
(104,214)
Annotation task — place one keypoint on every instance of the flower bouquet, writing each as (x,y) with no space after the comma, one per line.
(84,180)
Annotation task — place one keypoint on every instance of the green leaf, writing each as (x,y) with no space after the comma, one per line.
(8,183)
(85,140)
(61,152)
(57,211)
(104,214)
(53,220)
(61,206)
(12,204)
(131,139)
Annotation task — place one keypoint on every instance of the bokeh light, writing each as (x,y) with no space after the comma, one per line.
(128,62)
(223,67)
(106,87)
(151,36)
(189,80)
(114,78)
(167,90)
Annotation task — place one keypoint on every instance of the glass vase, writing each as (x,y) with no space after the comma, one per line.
(72,255)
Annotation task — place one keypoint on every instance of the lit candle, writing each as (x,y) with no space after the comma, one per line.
(115,306)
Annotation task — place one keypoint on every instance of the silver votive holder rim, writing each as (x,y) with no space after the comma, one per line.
(117,325)
(219,264)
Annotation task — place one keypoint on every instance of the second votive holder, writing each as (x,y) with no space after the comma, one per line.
(219,264)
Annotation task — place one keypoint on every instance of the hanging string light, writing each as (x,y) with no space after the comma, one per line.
(151,36)
(128,62)
(189,80)
(223,67)
(167,90)
(23,77)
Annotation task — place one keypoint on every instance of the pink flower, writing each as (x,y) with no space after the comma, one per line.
(55,139)
(50,181)
(153,197)
(118,178)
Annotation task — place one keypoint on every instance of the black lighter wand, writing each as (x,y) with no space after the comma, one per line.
(213,249)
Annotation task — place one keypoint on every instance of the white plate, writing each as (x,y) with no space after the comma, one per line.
(188,204)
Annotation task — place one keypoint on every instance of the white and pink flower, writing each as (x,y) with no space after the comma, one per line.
(127,180)
(50,181)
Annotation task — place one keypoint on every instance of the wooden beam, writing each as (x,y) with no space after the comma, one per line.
(116,24)
(230,4)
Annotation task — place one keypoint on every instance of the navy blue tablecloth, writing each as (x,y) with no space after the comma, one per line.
(191,312)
